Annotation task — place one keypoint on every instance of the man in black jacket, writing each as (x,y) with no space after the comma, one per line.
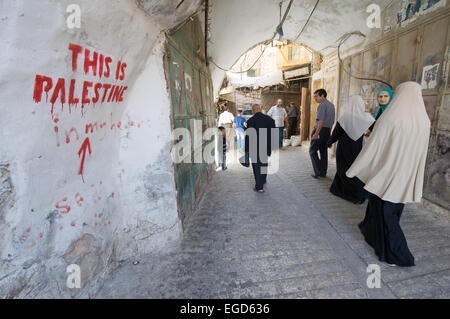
(258,146)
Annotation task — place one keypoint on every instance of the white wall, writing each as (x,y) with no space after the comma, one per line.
(128,204)
(145,172)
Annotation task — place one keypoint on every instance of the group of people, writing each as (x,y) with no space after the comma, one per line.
(380,157)
(282,119)
(257,121)
(277,118)
(226,122)
(277,112)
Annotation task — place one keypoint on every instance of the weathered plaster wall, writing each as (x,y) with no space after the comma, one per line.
(145,171)
(120,202)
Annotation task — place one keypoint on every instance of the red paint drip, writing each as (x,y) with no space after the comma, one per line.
(79,199)
(57,136)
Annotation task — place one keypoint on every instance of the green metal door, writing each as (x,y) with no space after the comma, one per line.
(191,99)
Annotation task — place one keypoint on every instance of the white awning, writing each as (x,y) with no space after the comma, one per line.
(237,79)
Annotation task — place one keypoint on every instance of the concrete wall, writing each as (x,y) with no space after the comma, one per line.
(90,184)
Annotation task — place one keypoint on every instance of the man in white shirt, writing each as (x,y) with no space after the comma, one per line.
(226,120)
(279,115)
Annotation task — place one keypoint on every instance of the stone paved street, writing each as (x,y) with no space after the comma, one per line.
(295,241)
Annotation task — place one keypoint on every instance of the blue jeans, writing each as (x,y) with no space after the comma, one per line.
(240,136)
(280,137)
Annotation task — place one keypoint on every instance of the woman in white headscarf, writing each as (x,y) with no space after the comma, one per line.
(349,132)
(392,166)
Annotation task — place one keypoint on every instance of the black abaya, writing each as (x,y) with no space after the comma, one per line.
(351,189)
(376,119)
(381,230)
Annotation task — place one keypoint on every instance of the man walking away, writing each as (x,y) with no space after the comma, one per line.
(226,120)
(259,134)
(279,115)
(239,121)
(321,134)
(292,119)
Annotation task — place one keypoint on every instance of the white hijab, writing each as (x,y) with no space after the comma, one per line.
(355,120)
(392,162)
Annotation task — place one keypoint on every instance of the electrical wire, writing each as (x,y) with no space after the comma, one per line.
(306,23)
(280,25)
(179,4)
(341,40)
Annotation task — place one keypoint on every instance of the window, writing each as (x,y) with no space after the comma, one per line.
(251,73)
(294,53)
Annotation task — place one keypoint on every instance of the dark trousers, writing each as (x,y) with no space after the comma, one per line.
(260,179)
(224,160)
(320,165)
(292,126)
(280,136)
(229,131)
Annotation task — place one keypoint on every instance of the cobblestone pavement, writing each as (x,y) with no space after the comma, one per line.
(296,240)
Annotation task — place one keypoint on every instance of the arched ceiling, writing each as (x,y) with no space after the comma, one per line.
(237,25)
(168,13)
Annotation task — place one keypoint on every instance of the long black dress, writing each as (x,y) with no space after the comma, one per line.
(351,189)
(376,119)
(381,230)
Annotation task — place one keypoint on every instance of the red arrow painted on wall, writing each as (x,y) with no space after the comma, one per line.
(85,146)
